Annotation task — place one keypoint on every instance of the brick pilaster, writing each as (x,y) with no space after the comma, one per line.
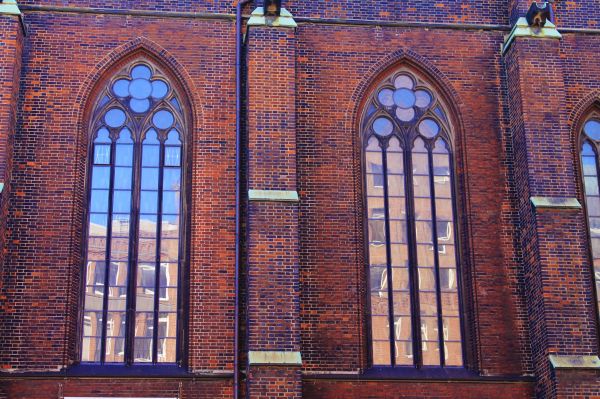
(273,247)
(11,38)
(558,280)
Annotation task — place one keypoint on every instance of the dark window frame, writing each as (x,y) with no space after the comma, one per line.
(139,126)
(583,138)
(408,134)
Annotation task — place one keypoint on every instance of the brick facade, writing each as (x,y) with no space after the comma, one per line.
(516,114)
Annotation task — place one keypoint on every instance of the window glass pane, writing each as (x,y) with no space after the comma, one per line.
(123,178)
(169,250)
(120,225)
(101,154)
(172,179)
(144,300)
(146,276)
(396,185)
(171,202)
(431,352)
(124,155)
(150,155)
(374,163)
(170,226)
(97,248)
(591,185)
(381,353)
(398,233)
(122,201)
(149,202)
(90,349)
(99,201)
(98,224)
(119,249)
(168,300)
(589,165)
(147,249)
(168,274)
(101,177)
(148,225)
(400,279)
(377,254)
(172,156)
(167,350)
(150,178)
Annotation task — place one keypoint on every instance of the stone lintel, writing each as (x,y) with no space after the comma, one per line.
(555,202)
(278,358)
(575,362)
(522,29)
(273,195)
(284,20)
(9,7)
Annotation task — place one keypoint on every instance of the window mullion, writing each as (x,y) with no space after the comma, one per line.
(108,252)
(133,252)
(388,250)
(434,233)
(412,257)
(158,252)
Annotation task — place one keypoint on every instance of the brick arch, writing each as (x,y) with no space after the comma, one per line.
(451,99)
(587,106)
(420,65)
(140,47)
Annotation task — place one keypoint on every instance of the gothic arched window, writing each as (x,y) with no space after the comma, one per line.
(411,217)
(132,272)
(590,150)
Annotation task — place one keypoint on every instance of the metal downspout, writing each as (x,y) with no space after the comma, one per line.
(238,150)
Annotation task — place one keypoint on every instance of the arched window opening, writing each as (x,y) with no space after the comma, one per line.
(411,221)
(133,262)
(589,150)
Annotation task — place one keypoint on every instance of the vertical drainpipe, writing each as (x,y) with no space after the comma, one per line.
(238,150)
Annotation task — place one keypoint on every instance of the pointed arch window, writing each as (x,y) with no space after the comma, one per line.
(133,261)
(589,151)
(413,256)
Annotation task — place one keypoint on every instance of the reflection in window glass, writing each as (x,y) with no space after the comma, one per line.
(415,313)
(589,169)
(134,226)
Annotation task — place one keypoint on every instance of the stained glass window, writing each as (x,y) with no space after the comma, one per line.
(413,261)
(134,231)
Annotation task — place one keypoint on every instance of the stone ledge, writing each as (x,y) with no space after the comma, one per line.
(522,29)
(574,362)
(9,7)
(273,195)
(555,202)
(275,358)
(285,19)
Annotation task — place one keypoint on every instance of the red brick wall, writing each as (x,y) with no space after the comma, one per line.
(319,76)
(66,54)
(333,62)
(316,389)
(52,389)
